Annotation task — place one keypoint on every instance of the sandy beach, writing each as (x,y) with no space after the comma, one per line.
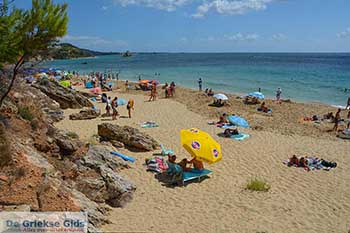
(298,201)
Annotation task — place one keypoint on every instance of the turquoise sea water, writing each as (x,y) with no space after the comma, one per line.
(303,77)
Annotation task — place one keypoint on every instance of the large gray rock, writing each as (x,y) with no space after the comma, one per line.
(109,186)
(93,187)
(120,191)
(67,145)
(98,156)
(131,137)
(85,115)
(67,98)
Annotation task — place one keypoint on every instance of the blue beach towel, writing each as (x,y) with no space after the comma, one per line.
(240,136)
(125,157)
(89,85)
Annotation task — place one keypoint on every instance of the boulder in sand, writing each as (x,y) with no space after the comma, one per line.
(85,115)
(131,137)
(67,98)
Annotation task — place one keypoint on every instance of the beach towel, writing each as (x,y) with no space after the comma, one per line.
(240,136)
(166,151)
(124,157)
(89,85)
(149,124)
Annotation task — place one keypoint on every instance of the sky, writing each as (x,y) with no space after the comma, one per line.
(208,25)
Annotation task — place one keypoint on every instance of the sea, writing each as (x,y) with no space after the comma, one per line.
(303,77)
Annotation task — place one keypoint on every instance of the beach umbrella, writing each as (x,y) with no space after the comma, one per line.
(145,81)
(239,121)
(220,97)
(257,94)
(65,83)
(201,145)
(121,101)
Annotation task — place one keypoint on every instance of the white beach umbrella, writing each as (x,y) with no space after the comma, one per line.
(220,97)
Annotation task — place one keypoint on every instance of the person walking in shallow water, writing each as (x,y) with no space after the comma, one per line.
(348,104)
(200,84)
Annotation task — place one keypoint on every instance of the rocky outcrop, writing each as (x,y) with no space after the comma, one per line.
(130,137)
(85,115)
(67,98)
(107,186)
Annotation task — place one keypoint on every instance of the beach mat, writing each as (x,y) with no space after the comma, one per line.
(124,157)
(148,125)
(240,136)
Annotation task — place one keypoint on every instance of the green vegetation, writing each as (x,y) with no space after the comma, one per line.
(258,184)
(25,113)
(66,51)
(73,135)
(29,34)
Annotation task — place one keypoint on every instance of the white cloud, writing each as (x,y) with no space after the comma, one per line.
(344,34)
(279,37)
(226,7)
(92,42)
(167,5)
(104,8)
(242,37)
(231,7)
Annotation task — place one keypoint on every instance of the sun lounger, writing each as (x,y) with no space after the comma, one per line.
(178,175)
(195,174)
(166,151)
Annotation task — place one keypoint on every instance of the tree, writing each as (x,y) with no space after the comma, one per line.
(29,34)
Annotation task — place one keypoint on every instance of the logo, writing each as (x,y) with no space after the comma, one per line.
(194,130)
(195,145)
(215,153)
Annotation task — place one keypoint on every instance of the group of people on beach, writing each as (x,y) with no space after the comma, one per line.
(113,105)
(169,90)
(197,164)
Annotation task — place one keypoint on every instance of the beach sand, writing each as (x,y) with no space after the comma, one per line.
(298,201)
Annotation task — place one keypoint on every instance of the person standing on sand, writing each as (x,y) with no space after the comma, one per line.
(130,106)
(348,104)
(200,84)
(348,119)
(114,108)
(108,106)
(278,95)
(127,85)
(337,120)
(153,92)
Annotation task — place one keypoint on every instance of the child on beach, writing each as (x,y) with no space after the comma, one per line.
(108,106)
(130,106)
(127,85)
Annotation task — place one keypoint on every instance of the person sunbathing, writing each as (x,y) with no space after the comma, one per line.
(197,164)
(293,161)
(183,165)
(210,92)
(229,132)
(263,108)
(172,158)
(223,119)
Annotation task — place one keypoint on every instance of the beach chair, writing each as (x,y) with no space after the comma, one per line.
(180,177)
(166,151)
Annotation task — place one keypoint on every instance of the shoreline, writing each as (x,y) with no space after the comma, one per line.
(237,94)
